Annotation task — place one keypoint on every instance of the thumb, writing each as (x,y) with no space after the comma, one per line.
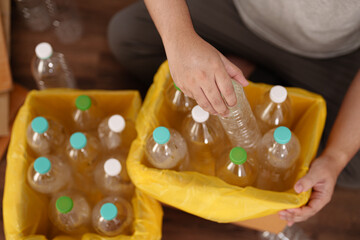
(305,183)
(233,71)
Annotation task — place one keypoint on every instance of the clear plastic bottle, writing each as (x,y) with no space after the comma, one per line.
(45,135)
(82,151)
(48,174)
(70,212)
(67,22)
(110,131)
(240,124)
(35,14)
(234,168)
(278,153)
(112,178)
(50,69)
(274,110)
(87,114)
(205,137)
(113,216)
(179,104)
(167,149)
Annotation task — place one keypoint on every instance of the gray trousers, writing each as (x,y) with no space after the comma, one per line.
(137,45)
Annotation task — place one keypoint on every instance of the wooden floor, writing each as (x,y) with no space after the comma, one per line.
(94,67)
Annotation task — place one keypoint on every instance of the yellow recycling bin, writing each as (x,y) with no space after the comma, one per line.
(207,196)
(25,211)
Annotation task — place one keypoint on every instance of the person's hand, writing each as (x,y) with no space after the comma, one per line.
(203,73)
(322,179)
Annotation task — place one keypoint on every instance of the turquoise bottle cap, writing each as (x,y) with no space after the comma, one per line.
(161,135)
(238,155)
(282,135)
(42,165)
(108,211)
(78,140)
(64,204)
(83,102)
(39,125)
(177,88)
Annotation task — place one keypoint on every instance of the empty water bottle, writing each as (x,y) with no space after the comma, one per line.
(205,137)
(112,216)
(67,22)
(167,149)
(112,178)
(240,124)
(278,153)
(87,114)
(82,151)
(35,14)
(274,109)
(70,212)
(234,168)
(45,135)
(179,104)
(50,69)
(110,131)
(48,174)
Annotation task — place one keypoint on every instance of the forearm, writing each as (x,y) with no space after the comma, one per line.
(172,20)
(344,139)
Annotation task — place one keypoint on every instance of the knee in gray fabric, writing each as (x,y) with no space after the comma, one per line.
(121,36)
(350,176)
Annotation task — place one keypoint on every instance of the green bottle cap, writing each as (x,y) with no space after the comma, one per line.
(108,211)
(177,88)
(39,125)
(42,165)
(161,135)
(238,155)
(83,102)
(78,140)
(64,204)
(282,135)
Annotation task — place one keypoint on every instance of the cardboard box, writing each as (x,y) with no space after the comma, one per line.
(5,15)
(5,85)
(271,223)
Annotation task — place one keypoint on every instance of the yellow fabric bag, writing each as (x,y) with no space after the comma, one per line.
(24,210)
(209,197)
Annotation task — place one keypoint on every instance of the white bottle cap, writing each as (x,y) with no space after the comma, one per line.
(199,115)
(43,50)
(116,123)
(278,94)
(112,167)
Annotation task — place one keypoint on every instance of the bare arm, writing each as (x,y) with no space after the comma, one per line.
(201,71)
(342,145)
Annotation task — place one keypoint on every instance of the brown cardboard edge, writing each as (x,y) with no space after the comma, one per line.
(4,113)
(17,98)
(271,223)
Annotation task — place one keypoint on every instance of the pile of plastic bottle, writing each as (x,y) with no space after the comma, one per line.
(81,167)
(248,147)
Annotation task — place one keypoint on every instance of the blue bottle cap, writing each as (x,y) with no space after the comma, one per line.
(282,135)
(78,140)
(108,211)
(39,125)
(42,165)
(161,135)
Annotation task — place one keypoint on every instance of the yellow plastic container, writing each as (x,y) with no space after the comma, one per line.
(24,210)
(209,197)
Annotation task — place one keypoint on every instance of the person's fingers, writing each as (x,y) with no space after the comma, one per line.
(233,71)
(305,183)
(213,95)
(202,101)
(224,84)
